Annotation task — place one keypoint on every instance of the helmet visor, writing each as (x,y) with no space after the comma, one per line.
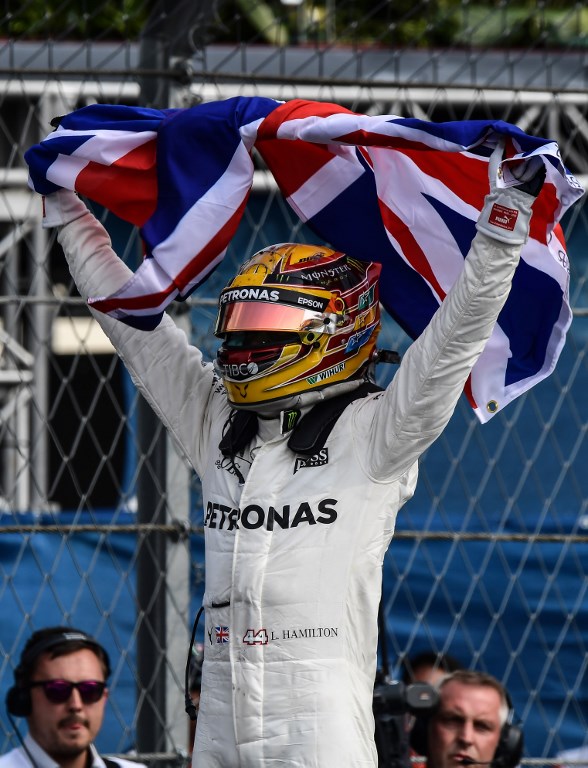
(263,316)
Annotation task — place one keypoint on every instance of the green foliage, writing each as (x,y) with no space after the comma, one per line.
(525,24)
(402,23)
(73,19)
(389,23)
(409,23)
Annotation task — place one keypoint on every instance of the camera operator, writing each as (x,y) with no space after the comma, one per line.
(471,725)
(393,701)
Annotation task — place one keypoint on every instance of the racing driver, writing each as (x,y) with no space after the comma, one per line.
(304,465)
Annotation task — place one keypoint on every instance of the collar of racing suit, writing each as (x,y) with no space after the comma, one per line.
(303,401)
(308,419)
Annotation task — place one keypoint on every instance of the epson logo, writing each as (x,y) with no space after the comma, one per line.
(254,516)
(313,303)
(249,294)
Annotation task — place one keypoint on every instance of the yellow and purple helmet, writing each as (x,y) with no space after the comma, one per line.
(296,317)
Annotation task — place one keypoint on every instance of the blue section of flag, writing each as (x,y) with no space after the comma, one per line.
(114,117)
(43,156)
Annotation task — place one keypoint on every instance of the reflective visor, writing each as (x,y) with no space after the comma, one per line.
(263,316)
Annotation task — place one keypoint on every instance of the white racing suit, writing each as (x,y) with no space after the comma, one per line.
(294,555)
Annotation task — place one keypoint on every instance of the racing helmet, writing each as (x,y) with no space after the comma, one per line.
(296,318)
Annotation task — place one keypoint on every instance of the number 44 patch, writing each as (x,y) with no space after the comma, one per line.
(255,637)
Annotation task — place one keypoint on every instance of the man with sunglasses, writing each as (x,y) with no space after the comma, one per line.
(60,687)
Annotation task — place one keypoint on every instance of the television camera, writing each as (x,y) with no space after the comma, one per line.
(393,701)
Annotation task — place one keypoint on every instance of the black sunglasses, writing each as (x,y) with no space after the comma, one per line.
(59,691)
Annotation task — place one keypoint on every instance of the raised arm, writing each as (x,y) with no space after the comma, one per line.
(422,396)
(168,371)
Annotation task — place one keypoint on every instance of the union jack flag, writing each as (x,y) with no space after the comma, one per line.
(401,191)
(221,635)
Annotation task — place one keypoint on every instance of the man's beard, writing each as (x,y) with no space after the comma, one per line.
(70,750)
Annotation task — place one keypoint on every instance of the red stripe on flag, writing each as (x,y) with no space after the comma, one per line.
(214,246)
(293,162)
(146,301)
(465,176)
(417,259)
(195,267)
(469,393)
(297,109)
(545,208)
(366,156)
(373,139)
(559,235)
(128,187)
(410,248)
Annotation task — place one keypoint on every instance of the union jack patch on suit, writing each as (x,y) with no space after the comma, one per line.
(221,634)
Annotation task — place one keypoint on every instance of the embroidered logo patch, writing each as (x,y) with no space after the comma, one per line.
(318,460)
(288,420)
(503,217)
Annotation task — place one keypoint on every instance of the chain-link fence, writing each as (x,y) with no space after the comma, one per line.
(100,520)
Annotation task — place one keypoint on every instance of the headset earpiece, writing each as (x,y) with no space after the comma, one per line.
(510,747)
(18,701)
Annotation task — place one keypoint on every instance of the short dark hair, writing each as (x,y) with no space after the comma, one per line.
(442,661)
(57,641)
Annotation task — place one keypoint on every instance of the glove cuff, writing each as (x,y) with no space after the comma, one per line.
(506,215)
(61,207)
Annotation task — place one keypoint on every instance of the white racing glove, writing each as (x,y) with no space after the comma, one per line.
(61,207)
(507,211)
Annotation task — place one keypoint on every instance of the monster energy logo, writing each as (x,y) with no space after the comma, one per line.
(289,419)
(326,374)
